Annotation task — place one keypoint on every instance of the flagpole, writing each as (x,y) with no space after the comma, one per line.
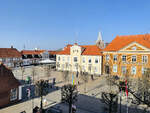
(127,94)
(127,104)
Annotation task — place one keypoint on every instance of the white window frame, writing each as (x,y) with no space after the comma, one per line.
(63,59)
(143,59)
(115,58)
(90,60)
(115,68)
(133,67)
(75,60)
(124,58)
(13,94)
(132,58)
(83,60)
(123,70)
(144,70)
(95,69)
(68,58)
(58,58)
(107,57)
(96,60)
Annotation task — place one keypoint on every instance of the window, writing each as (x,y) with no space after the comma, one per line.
(75,59)
(134,48)
(63,66)
(90,60)
(67,65)
(96,60)
(133,70)
(83,59)
(123,70)
(133,58)
(83,68)
(107,57)
(68,59)
(95,69)
(13,94)
(89,68)
(115,68)
(124,58)
(4,60)
(59,58)
(63,58)
(115,57)
(144,70)
(144,59)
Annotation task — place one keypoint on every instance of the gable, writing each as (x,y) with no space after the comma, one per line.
(75,50)
(134,46)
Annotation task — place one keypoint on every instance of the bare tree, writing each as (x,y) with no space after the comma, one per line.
(47,71)
(142,94)
(85,77)
(22,71)
(33,74)
(69,95)
(65,75)
(41,90)
(111,100)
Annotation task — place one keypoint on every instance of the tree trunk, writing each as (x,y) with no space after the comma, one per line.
(41,104)
(110,104)
(70,103)
(70,106)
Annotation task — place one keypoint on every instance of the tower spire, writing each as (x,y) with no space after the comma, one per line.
(99,41)
(99,37)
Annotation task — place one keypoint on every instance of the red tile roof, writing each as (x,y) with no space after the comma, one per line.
(32,52)
(53,52)
(88,50)
(121,41)
(9,53)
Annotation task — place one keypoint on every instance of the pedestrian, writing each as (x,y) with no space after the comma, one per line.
(78,83)
(54,81)
(92,77)
(28,93)
(77,74)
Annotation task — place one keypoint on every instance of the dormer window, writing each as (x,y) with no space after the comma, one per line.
(134,48)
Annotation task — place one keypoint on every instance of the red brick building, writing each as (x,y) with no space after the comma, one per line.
(11,57)
(9,86)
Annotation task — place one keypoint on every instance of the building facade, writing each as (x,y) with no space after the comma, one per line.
(127,55)
(33,56)
(81,58)
(11,57)
(9,90)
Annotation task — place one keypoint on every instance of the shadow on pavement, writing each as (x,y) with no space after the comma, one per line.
(89,104)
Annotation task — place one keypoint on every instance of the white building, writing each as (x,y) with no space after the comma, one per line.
(81,58)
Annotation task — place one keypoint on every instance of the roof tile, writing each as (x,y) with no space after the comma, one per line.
(121,41)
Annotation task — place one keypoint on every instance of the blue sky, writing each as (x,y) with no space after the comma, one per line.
(51,24)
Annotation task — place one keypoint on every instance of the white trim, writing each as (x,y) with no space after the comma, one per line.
(132,70)
(136,58)
(127,46)
(147,59)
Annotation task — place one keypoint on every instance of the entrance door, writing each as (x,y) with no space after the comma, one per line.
(106,69)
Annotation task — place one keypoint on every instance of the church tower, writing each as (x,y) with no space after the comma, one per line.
(100,42)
